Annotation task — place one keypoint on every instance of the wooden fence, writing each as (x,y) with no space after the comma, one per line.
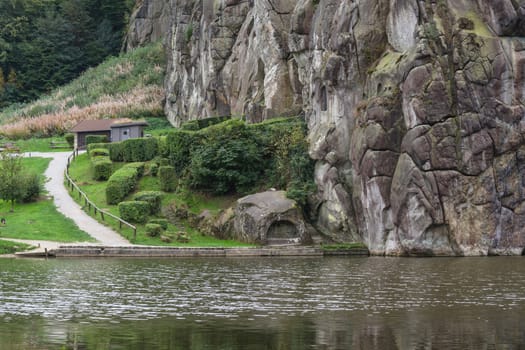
(89,204)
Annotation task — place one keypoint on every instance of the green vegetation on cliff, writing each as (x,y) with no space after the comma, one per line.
(129,85)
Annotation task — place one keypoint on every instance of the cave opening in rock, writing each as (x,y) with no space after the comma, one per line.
(282,230)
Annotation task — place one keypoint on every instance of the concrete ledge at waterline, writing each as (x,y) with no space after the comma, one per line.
(91,251)
(145,252)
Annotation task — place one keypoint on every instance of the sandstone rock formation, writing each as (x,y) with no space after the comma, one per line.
(416,109)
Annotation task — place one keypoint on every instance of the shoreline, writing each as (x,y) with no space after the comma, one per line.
(100,251)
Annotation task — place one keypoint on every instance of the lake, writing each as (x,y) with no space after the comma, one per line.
(263,303)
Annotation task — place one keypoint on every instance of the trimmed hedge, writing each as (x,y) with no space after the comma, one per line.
(140,166)
(153,169)
(162,222)
(102,168)
(93,146)
(96,139)
(180,144)
(134,211)
(116,153)
(167,178)
(153,230)
(120,184)
(99,152)
(198,124)
(154,198)
(134,150)
(162,145)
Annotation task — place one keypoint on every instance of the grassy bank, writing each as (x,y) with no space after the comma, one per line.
(39,220)
(81,173)
(129,85)
(7,247)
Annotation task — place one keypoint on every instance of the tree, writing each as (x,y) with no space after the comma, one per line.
(11,179)
(2,81)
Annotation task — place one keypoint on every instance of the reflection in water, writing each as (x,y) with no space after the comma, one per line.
(330,303)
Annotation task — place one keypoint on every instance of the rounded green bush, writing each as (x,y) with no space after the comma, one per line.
(120,184)
(167,178)
(153,169)
(134,211)
(153,230)
(93,146)
(97,152)
(162,222)
(102,168)
(154,199)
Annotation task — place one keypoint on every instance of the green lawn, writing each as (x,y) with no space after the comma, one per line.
(39,220)
(7,247)
(81,173)
(41,145)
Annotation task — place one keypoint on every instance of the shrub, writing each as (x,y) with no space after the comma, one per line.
(193,125)
(32,187)
(102,168)
(153,169)
(167,178)
(154,199)
(182,237)
(234,157)
(134,211)
(96,139)
(139,150)
(180,145)
(70,139)
(116,151)
(190,125)
(99,152)
(153,230)
(167,237)
(162,146)
(120,184)
(98,145)
(139,166)
(162,222)
(228,159)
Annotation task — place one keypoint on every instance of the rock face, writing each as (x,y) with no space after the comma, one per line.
(269,218)
(415,108)
(149,22)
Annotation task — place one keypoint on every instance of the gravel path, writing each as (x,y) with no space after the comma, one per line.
(67,206)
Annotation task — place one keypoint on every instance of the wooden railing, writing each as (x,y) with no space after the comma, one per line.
(89,204)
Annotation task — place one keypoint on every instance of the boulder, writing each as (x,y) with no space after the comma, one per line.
(269,218)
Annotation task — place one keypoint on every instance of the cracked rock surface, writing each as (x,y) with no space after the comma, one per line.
(415,109)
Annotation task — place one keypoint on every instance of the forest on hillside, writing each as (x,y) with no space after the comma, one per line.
(46,43)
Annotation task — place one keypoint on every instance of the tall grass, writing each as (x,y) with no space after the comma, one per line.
(128,85)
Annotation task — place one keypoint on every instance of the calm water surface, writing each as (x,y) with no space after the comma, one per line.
(264,303)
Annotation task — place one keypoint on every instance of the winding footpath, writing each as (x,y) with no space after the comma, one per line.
(71,209)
